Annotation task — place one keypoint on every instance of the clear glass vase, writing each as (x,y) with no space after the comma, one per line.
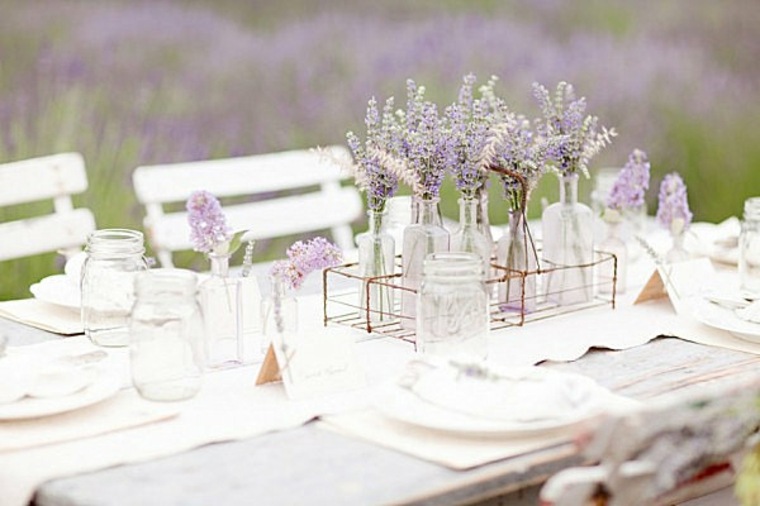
(425,236)
(483,221)
(613,243)
(677,251)
(568,247)
(468,238)
(516,252)
(279,316)
(376,254)
(636,221)
(221,303)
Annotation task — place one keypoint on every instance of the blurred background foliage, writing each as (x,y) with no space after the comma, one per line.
(131,82)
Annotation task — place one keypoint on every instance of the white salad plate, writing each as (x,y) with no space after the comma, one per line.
(504,403)
(103,384)
(724,318)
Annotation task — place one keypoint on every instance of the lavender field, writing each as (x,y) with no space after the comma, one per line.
(135,82)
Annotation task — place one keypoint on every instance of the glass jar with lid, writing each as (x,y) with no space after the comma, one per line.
(166,335)
(114,256)
(749,249)
(453,314)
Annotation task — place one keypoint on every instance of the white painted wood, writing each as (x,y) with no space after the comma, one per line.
(325,205)
(55,177)
(48,177)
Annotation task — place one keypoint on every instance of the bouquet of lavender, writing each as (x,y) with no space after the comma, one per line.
(673,207)
(305,257)
(209,231)
(629,188)
(578,138)
(369,169)
(469,124)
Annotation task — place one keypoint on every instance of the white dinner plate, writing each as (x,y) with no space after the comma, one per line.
(106,384)
(723,318)
(59,289)
(536,400)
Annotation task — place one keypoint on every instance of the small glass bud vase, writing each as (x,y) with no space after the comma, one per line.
(516,252)
(568,247)
(166,335)
(221,303)
(425,236)
(114,257)
(399,216)
(615,245)
(376,255)
(468,238)
(677,251)
(279,315)
(636,221)
(749,249)
(453,317)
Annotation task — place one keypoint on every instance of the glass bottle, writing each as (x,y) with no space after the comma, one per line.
(221,303)
(568,247)
(483,221)
(677,252)
(615,245)
(166,335)
(399,209)
(453,318)
(114,256)
(749,249)
(279,316)
(468,238)
(425,236)
(517,253)
(376,255)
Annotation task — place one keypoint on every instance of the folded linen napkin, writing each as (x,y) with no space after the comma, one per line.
(43,315)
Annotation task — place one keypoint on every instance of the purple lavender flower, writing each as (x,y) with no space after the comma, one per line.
(425,145)
(578,138)
(208,225)
(378,183)
(673,207)
(468,123)
(631,184)
(305,257)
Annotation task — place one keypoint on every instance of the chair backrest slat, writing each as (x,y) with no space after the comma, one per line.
(324,205)
(57,178)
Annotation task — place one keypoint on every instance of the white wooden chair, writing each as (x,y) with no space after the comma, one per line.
(55,177)
(331,206)
(670,451)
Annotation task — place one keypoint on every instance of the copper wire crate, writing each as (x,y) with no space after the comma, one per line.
(344,306)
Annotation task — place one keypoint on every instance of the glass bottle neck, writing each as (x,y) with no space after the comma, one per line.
(468,212)
(115,243)
(220,265)
(568,189)
(375,221)
(426,212)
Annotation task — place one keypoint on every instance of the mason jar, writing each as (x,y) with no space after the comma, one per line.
(452,316)
(114,256)
(166,335)
(749,249)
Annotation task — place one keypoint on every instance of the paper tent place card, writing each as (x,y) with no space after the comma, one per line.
(679,282)
(315,364)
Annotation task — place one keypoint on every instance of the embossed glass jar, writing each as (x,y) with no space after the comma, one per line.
(452,316)
(114,257)
(166,335)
